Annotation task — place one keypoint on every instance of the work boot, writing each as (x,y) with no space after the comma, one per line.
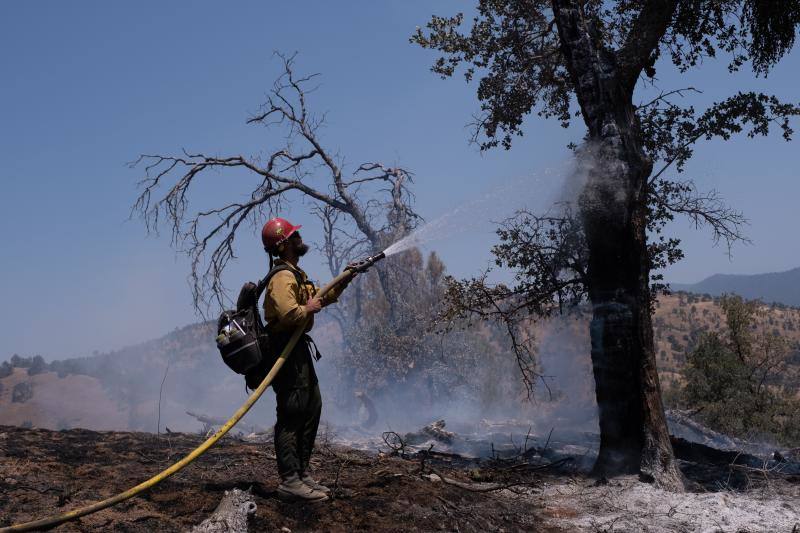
(293,488)
(311,482)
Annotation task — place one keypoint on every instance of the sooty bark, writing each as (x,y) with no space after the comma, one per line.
(613,207)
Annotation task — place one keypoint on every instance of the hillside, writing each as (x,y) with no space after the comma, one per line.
(780,287)
(121,390)
(681,317)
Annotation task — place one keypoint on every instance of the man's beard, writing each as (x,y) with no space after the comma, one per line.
(301,249)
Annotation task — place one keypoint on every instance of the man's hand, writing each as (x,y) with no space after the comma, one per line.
(313,305)
(357,267)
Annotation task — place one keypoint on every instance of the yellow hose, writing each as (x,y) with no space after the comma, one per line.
(46,523)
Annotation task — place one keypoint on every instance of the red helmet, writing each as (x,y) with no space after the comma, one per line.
(275,231)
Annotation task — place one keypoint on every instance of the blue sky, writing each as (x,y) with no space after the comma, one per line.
(88,86)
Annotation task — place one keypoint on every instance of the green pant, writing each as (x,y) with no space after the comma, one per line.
(299,409)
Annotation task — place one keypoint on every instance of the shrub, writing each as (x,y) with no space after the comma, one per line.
(739,384)
(38,366)
(22,392)
(20,362)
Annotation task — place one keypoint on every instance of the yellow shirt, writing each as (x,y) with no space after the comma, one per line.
(285,299)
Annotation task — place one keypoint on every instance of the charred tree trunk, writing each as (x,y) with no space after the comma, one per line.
(613,207)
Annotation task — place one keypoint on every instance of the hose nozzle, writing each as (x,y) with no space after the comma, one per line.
(364,264)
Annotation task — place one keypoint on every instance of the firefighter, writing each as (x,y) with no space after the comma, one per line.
(289,300)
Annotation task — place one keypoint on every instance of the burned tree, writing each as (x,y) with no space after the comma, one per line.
(373,203)
(543,55)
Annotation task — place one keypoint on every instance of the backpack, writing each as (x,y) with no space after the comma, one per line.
(242,338)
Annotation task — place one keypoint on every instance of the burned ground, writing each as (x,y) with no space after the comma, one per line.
(46,472)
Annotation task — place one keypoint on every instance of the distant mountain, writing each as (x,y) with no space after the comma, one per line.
(780,287)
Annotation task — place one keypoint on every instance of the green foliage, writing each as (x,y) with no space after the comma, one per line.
(739,383)
(35,365)
(514,45)
(715,377)
(772,30)
(513,48)
(20,362)
(22,392)
(38,366)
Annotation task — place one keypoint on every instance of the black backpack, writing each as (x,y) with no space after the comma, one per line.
(241,335)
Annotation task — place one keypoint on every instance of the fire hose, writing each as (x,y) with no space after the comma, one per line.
(47,523)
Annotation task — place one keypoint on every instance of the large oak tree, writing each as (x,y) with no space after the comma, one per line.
(543,57)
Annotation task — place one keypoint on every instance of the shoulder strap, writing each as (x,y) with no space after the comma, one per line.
(278,268)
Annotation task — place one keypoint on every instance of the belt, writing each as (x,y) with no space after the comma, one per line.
(315,353)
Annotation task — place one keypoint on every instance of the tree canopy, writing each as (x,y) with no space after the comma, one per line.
(512,48)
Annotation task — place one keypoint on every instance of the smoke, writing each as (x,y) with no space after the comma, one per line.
(489,413)
(565,400)
(568,401)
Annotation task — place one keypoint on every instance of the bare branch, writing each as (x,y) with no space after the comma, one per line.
(664,96)
(207,235)
(703,209)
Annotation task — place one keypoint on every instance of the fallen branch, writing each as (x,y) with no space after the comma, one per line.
(205,419)
(209,422)
(531,467)
(476,487)
(712,436)
(434,430)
